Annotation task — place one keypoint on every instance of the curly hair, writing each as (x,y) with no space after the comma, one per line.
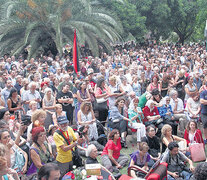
(201,171)
(37,114)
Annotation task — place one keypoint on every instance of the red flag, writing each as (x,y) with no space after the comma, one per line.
(75,53)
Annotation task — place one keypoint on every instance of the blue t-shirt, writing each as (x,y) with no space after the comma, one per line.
(203,95)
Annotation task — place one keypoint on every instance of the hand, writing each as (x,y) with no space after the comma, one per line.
(119,166)
(175,175)
(11,171)
(24,169)
(10,144)
(80,140)
(176,101)
(192,168)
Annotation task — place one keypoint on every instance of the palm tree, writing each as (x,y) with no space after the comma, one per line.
(51,23)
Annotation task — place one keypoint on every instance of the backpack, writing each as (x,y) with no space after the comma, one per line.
(19,160)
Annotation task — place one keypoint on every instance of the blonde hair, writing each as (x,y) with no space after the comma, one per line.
(165,128)
(37,114)
(32,103)
(112,78)
(58,106)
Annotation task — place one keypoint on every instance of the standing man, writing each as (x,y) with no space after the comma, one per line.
(65,97)
(65,140)
(203,101)
(31,95)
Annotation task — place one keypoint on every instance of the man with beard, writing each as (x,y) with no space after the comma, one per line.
(65,140)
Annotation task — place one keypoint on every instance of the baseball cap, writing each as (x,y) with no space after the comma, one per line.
(62,120)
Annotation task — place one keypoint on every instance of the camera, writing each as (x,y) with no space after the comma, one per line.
(26,120)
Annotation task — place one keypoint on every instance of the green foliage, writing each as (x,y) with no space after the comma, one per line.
(46,24)
(129,17)
(157,16)
(183,17)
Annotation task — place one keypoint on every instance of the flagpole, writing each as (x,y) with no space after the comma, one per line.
(205,34)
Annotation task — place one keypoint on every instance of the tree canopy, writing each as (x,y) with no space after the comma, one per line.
(49,24)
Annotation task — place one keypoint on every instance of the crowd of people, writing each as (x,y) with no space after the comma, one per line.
(50,113)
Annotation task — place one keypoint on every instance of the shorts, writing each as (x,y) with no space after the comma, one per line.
(204,120)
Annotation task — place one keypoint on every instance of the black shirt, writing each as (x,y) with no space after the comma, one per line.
(153,143)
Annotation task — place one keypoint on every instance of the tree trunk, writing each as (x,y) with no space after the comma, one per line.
(181,39)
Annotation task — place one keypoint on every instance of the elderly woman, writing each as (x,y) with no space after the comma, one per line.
(151,116)
(136,116)
(39,152)
(48,104)
(111,153)
(117,120)
(167,137)
(86,117)
(140,158)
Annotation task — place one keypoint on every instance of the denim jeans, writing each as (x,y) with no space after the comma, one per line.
(186,175)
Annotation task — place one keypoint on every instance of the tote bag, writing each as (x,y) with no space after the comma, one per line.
(197,152)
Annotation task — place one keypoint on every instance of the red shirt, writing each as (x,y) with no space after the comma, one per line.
(147,112)
(116,148)
(197,138)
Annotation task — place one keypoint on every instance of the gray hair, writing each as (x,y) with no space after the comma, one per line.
(32,84)
(89,149)
(172,92)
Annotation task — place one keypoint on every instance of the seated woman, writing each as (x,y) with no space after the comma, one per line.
(39,152)
(14,152)
(193,107)
(167,137)
(6,172)
(111,154)
(136,116)
(117,120)
(154,144)
(166,113)
(140,158)
(193,134)
(86,117)
(152,116)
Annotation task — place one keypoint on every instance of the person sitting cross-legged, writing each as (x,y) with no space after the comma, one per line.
(176,163)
